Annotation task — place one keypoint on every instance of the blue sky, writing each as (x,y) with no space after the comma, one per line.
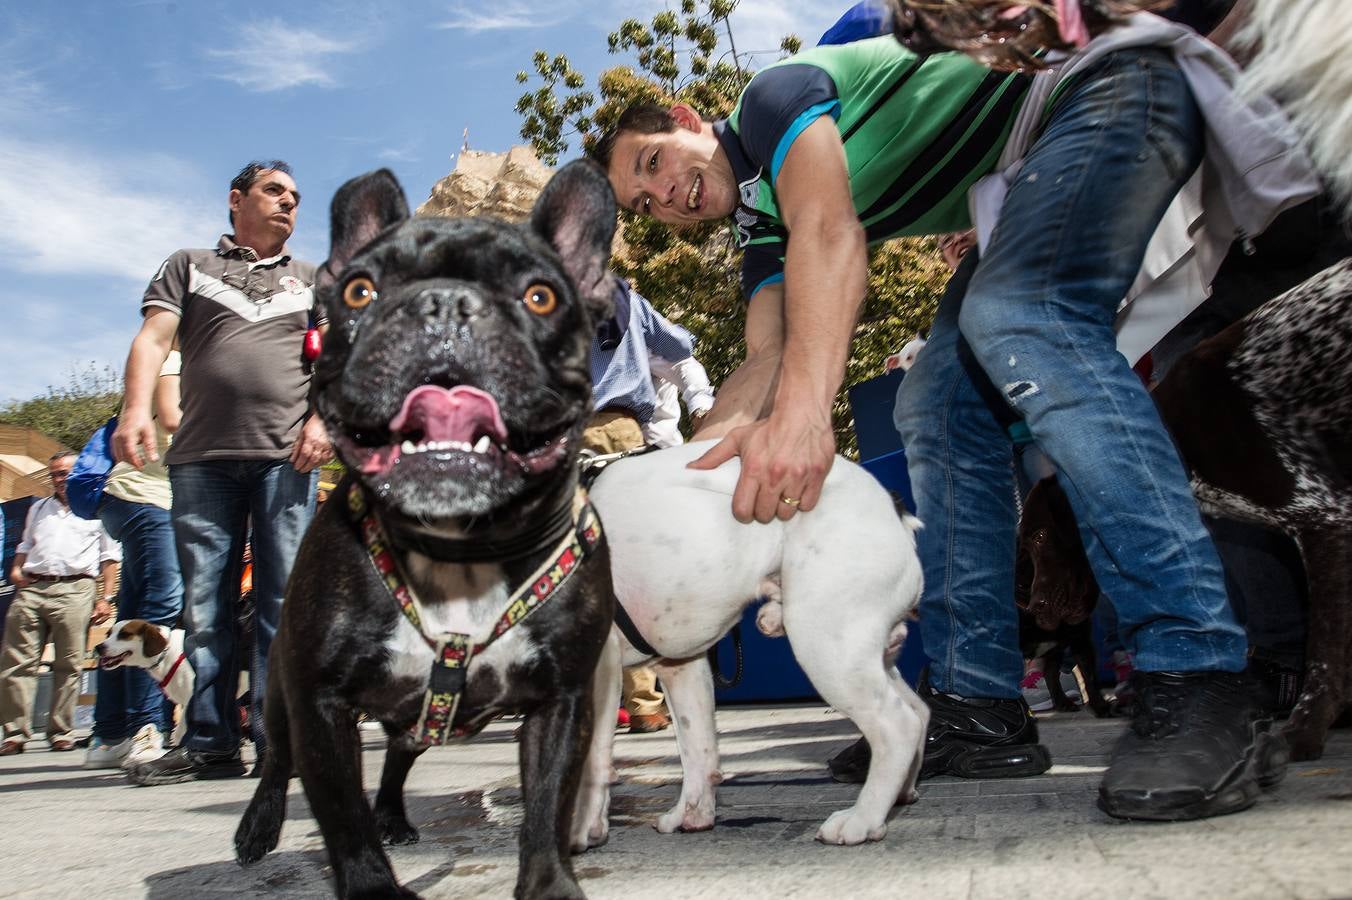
(123,121)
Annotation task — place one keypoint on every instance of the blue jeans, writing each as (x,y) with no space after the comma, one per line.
(151,588)
(1027,330)
(215,503)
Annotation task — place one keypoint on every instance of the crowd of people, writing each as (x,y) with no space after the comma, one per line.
(1056,183)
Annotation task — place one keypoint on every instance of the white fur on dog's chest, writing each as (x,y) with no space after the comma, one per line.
(454,609)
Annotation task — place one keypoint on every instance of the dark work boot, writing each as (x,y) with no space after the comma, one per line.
(1198,747)
(970,738)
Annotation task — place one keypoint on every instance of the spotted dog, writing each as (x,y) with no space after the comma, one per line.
(1262,414)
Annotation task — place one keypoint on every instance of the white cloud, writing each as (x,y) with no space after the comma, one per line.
(497,16)
(760,24)
(273,56)
(66,212)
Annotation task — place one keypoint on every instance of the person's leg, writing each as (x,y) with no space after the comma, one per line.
(209,514)
(1039,316)
(20,653)
(954,426)
(960,461)
(644,702)
(67,611)
(281,503)
(110,702)
(159,602)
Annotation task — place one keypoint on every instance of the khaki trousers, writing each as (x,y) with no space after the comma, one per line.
(58,611)
(611,431)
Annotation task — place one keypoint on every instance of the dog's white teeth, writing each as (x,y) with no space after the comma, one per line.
(482,445)
(421,448)
(408,447)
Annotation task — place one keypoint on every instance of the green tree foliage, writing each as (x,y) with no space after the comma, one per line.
(692,275)
(70,414)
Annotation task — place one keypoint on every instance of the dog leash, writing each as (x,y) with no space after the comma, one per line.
(453,651)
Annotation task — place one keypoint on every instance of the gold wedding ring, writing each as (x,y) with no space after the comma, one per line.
(792,501)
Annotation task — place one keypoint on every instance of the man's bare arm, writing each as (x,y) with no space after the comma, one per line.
(744,396)
(134,441)
(785,457)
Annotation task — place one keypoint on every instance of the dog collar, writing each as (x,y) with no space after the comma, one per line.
(452,651)
(172,669)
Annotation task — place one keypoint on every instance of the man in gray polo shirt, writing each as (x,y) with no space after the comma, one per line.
(245,453)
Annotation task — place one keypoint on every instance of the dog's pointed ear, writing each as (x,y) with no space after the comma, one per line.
(362,208)
(153,641)
(576,215)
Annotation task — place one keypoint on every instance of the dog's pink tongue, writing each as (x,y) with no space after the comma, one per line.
(461,414)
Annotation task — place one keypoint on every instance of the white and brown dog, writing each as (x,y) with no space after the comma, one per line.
(158,650)
(684,570)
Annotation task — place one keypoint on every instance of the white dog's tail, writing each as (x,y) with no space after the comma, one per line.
(1302,60)
(911,522)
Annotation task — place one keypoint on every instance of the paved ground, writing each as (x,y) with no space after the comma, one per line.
(66,832)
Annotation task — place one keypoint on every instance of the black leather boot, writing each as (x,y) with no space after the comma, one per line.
(1198,746)
(970,738)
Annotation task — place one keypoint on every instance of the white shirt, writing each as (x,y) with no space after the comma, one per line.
(58,542)
(685,379)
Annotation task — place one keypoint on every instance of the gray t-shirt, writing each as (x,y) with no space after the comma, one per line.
(242,329)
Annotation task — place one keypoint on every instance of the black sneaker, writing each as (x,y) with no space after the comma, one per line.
(183,764)
(1198,747)
(969,738)
(980,738)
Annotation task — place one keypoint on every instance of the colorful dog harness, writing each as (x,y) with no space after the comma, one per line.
(452,652)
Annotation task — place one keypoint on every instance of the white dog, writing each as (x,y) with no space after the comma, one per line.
(685,569)
(157,649)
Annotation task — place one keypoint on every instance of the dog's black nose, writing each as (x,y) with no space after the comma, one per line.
(98,648)
(453,305)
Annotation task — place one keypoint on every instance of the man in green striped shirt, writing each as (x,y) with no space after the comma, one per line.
(842,146)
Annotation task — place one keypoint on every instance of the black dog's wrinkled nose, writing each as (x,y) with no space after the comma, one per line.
(457,305)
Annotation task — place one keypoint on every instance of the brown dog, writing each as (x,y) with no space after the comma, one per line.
(1056,592)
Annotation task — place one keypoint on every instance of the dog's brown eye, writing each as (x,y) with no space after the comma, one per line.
(540,299)
(359,292)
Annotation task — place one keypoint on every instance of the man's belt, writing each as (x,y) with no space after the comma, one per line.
(35,576)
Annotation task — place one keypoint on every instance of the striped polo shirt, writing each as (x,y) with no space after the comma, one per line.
(918,132)
(242,331)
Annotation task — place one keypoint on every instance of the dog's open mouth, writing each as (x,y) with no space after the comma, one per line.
(445,423)
(112,662)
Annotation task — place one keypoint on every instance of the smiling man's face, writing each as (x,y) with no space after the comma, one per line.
(679,177)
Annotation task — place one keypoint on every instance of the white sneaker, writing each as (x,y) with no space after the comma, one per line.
(146,745)
(102,755)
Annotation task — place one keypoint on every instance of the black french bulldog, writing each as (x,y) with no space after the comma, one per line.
(455,574)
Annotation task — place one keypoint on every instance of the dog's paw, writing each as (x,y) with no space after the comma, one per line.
(584,839)
(697,816)
(253,842)
(848,828)
(396,830)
